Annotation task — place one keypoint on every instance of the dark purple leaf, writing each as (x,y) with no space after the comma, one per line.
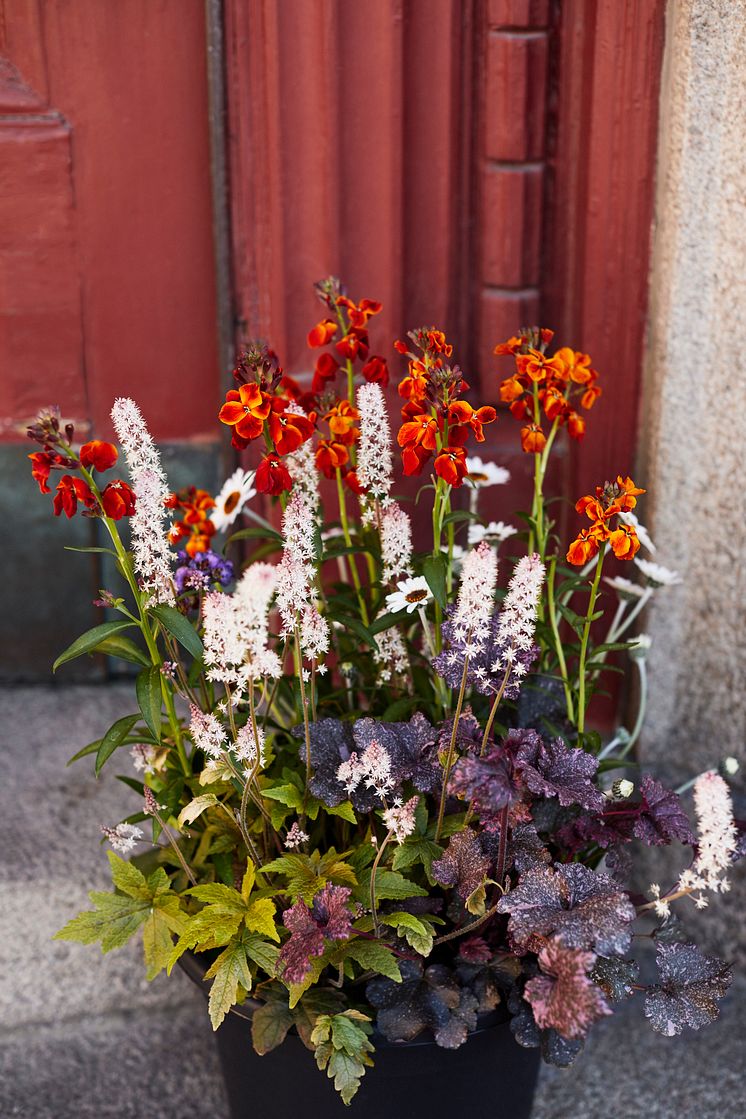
(430,1000)
(487,782)
(468,735)
(551,769)
(331,744)
(463,864)
(526,849)
(661,816)
(555,1050)
(615,976)
(487,976)
(585,909)
(410,747)
(564,998)
(691,984)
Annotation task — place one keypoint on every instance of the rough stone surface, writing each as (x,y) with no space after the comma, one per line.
(692,447)
(83,1036)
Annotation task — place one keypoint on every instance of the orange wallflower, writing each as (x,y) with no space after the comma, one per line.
(421,431)
(98,455)
(326,370)
(624,541)
(533,439)
(342,419)
(461,412)
(41,465)
(538,367)
(414,385)
(272,476)
(331,456)
(354,344)
(322,333)
(69,492)
(288,429)
(582,549)
(118,500)
(608,502)
(245,410)
(450,465)
(376,370)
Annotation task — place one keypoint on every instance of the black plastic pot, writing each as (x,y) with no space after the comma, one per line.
(489,1077)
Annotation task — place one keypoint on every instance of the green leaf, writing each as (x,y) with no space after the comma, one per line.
(459,515)
(373,956)
(91,748)
(386,621)
(343,1048)
(344,810)
(390,885)
(88,642)
(255,533)
(262,953)
(434,570)
(113,738)
(297,990)
(157,942)
(270,1025)
(178,626)
(222,898)
(113,921)
(70,548)
(289,795)
(416,849)
(195,808)
(230,969)
(124,649)
(149,698)
(357,627)
(260,918)
(417,934)
(127,878)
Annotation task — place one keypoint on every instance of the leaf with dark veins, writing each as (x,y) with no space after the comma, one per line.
(551,769)
(564,998)
(661,816)
(691,984)
(585,909)
(463,864)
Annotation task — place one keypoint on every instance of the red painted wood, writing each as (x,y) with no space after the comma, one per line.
(128,80)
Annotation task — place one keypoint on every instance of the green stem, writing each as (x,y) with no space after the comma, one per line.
(584,640)
(451,749)
(348,541)
(557,641)
(374,869)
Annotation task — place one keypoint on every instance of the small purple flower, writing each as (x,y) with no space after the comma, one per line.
(202,571)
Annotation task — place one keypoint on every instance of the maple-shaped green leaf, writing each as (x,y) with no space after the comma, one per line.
(390,886)
(230,969)
(416,849)
(271,1021)
(306,875)
(316,1001)
(114,920)
(371,955)
(343,1048)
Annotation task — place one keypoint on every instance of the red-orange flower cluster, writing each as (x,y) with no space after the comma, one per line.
(436,422)
(554,385)
(602,510)
(195,525)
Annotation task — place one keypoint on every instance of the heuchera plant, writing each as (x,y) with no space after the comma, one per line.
(373,801)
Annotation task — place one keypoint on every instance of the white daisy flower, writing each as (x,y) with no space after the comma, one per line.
(657,574)
(494,533)
(236,492)
(625,588)
(642,533)
(480,474)
(409,595)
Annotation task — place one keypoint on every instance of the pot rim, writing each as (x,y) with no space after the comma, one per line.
(192,966)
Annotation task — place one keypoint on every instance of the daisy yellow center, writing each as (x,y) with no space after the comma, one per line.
(231,501)
(416,596)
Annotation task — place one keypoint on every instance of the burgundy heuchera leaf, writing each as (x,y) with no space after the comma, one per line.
(328,917)
(487,782)
(661,818)
(463,864)
(564,998)
(551,769)
(586,909)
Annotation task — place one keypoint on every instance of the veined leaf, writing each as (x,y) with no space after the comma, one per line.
(88,642)
(127,878)
(270,1025)
(124,649)
(114,920)
(230,969)
(371,956)
(417,934)
(180,628)
(195,808)
(262,953)
(260,918)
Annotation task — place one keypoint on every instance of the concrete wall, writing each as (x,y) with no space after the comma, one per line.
(694,402)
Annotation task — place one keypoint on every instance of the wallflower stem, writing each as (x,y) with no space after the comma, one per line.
(348,541)
(582,703)
(557,641)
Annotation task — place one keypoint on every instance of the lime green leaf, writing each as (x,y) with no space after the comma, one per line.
(88,642)
(390,885)
(178,626)
(289,795)
(114,920)
(260,918)
(157,943)
(249,878)
(372,956)
(127,878)
(417,934)
(297,990)
(223,899)
(149,698)
(230,969)
(416,849)
(344,810)
(113,738)
(434,570)
(205,930)
(195,808)
(343,1048)
(262,953)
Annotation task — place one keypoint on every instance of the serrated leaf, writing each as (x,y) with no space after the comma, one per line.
(345,811)
(416,849)
(149,698)
(114,920)
(269,1025)
(221,898)
(114,738)
(392,886)
(229,969)
(88,642)
(371,956)
(691,985)
(297,990)
(195,808)
(262,953)
(287,794)
(180,628)
(260,918)
(127,878)
(415,932)
(157,942)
